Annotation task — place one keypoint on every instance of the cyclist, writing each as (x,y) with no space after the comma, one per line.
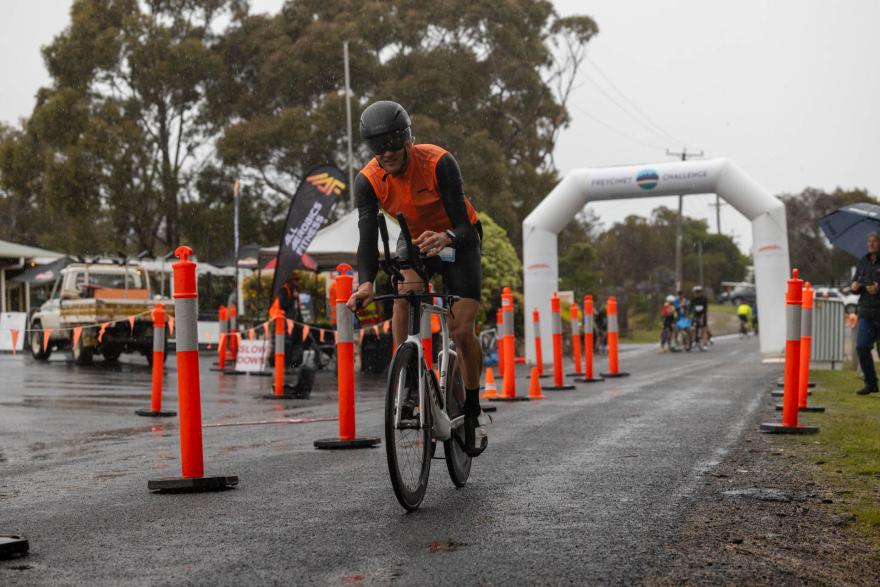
(744,312)
(700,313)
(667,315)
(423,182)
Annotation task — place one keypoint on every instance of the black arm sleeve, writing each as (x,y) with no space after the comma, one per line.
(368,208)
(452,195)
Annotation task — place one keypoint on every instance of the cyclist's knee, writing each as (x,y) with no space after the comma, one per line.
(462,334)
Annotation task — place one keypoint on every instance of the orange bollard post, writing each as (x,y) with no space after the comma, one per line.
(491,391)
(789,424)
(539,351)
(805,350)
(558,383)
(613,334)
(508,385)
(535,385)
(158,315)
(232,334)
(588,343)
(345,369)
(499,340)
(575,321)
(188,387)
(222,322)
(425,333)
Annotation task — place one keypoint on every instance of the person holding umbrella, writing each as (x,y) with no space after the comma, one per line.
(866,283)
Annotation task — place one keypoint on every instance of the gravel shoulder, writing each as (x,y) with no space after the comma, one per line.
(776,510)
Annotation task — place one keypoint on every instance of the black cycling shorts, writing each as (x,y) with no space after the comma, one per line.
(701,318)
(462,277)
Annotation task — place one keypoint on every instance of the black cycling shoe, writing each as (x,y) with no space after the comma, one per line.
(868,389)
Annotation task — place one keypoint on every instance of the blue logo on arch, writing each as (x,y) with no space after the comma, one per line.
(647,179)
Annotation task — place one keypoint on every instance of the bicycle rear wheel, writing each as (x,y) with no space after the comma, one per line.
(458,463)
(408,446)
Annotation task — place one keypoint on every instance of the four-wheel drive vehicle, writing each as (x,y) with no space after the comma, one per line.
(737,293)
(88,295)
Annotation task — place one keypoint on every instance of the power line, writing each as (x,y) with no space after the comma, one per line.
(635,107)
(617,131)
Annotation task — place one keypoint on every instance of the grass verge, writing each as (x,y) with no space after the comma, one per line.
(847,448)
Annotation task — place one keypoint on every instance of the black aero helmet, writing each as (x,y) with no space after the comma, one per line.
(385,125)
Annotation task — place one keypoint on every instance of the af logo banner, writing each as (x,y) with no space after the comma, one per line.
(312,203)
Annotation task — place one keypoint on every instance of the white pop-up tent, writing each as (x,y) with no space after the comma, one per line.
(338,242)
(720,176)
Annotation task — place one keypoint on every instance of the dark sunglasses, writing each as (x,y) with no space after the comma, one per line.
(392,141)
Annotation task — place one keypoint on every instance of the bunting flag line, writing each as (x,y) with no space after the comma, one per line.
(386,326)
(306,330)
(171,325)
(46,334)
(101,332)
(322,334)
(13,332)
(131,323)
(290,325)
(77,332)
(376,329)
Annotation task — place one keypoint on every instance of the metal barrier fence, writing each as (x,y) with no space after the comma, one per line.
(829,323)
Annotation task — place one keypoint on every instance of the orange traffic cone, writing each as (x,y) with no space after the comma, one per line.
(535,386)
(491,389)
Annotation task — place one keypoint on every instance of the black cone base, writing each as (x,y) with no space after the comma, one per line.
(13,545)
(337,444)
(192,484)
(152,414)
(805,409)
(614,375)
(589,380)
(810,385)
(776,393)
(778,428)
(557,387)
(489,408)
(575,374)
(519,398)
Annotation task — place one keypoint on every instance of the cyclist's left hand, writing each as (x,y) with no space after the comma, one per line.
(430,243)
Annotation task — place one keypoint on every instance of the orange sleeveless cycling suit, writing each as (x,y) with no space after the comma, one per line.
(415,192)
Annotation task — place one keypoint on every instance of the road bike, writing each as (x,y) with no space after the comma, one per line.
(421,409)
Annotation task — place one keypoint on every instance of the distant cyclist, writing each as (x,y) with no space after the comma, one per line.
(667,317)
(424,183)
(700,313)
(744,313)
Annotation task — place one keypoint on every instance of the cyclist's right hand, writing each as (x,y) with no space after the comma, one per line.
(364,295)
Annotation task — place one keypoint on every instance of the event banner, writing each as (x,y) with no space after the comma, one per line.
(312,203)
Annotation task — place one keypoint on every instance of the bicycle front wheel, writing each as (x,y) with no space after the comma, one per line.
(408,443)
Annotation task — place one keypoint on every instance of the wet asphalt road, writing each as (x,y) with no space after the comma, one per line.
(583,487)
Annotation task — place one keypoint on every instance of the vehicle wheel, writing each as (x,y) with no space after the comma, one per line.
(36,343)
(82,355)
(111,353)
(408,446)
(458,463)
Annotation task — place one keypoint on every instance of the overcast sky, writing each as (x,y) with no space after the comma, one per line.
(787,89)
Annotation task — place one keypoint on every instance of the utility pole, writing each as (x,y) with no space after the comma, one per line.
(717,205)
(678,227)
(700,259)
(348,120)
(236,193)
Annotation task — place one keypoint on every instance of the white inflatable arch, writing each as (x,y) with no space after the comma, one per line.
(720,176)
